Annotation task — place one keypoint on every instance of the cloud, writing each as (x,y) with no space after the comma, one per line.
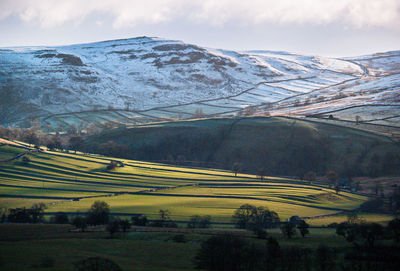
(130,13)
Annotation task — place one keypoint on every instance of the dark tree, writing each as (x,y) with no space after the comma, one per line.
(310,176)
(112,165)
(199,222)
(223,253)
(263,218)
(37,212)
(30,136)
(54,143)
(303,228)
(288,229)
(243,216)
(360,234)
(19,215)
(332,178)
(139,220)
(113,227)
(236,168)
(125,225)
(75,143)
(262,172)
(98,213)
(164,214)
(80,223)
(337,188)
(254,218)
(370,233)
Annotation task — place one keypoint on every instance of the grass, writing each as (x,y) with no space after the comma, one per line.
(24,246)
(325,221)
(129,254)
(54,177)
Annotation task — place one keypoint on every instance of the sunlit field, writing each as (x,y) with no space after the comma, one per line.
(71,182)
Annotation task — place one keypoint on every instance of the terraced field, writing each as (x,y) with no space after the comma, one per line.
(72,182)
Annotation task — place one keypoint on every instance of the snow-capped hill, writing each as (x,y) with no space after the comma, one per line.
(153,78)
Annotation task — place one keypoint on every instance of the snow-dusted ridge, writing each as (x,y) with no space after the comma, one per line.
(151,78)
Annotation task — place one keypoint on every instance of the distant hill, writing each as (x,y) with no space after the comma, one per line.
(284,146)
(146,79)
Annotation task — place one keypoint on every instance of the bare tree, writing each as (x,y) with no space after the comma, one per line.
(236,168)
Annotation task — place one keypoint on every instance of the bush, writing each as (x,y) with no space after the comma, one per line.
(113,227)
(199,222)
(125,225)
(112,165)
(80,223)
(139,220)
(61,218)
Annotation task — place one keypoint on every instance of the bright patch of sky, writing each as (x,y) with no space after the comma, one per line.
(324,27)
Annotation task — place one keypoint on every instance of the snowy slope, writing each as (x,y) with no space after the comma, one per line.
(151,78)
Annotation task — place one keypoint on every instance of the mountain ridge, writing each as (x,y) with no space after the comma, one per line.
(140,75)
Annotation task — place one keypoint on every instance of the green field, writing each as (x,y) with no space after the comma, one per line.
(22,247)
(72,182)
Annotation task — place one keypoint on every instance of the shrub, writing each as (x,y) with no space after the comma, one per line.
(80,223)
(125,225)
(199,222)
(112,165)
(113,227)
(61,218)
(139,220)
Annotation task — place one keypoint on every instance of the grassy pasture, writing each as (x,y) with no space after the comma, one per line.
(325,221)
(56,178)
(182,208)
(24,246)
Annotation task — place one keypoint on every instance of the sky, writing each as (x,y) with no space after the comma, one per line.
(318,27)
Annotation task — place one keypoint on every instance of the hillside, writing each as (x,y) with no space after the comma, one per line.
(283,146)
(145,79)
(72,182)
